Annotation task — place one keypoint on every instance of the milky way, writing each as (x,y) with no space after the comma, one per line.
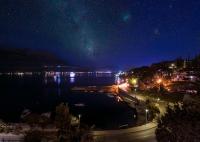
(103,33)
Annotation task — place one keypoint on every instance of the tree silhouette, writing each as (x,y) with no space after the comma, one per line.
(62,122)
(180,124)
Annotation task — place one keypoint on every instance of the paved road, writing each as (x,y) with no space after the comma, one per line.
(8,137)
(140,136)
(160,104)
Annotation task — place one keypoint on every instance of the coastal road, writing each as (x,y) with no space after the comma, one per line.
(162,105)
(140,136)
(144,133)
(9,137)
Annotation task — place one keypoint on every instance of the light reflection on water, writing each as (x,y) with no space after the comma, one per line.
(73,77)
(72,80)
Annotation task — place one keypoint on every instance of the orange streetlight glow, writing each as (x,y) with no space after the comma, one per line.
(159,81)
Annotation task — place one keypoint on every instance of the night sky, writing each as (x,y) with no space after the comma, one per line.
(103,33)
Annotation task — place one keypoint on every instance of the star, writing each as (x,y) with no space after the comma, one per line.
(126,17)
(170,6)
(156,31)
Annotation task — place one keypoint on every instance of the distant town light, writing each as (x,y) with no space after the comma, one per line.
(172,66)
(72,74)
(124,85)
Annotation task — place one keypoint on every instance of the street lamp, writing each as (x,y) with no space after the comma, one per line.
(79,117)
(134,82)
(146,110)
(159,81)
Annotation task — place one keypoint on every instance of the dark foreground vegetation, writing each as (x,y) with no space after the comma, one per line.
(181,123)
(62,131)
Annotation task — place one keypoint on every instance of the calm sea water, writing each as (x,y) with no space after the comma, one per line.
(42,93)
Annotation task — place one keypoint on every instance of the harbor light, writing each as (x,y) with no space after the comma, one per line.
(72,74)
